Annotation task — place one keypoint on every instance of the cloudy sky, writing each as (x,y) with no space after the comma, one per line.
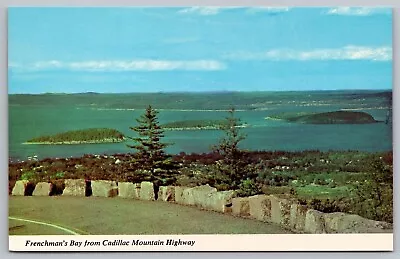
(198,49)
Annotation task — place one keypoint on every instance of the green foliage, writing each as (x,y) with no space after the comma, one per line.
(150,150)
(233,164)
(85,135)
(193,124)
(374,196)
(28,176)
(196,124)
(58,175)
(336,117)
(248,187)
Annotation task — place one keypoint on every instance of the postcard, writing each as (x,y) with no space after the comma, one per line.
(200,128)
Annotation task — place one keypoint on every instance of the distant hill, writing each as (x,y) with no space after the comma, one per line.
(207,100)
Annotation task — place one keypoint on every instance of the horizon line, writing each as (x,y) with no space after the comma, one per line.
(199,92)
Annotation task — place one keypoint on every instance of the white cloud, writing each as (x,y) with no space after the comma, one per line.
(213,10)
(345,53)
(358,11)
(120,66)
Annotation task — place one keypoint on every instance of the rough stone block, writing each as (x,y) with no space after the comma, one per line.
(179,194)
(260,207)
(221,201)
(147,191)
(202,195)
(241,207)
(42,189)
(315,222)
(297,217)
(19,188)
(280,211)
(103,188)
(339,222)
(75,187)
(166,193)
(188,197)
(128,190)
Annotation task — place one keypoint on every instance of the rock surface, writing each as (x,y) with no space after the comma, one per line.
(280,211)
(166,193)
(241,207)
(202,196)
(221,201)
(179,194)
(103,188)
(19,188)
(260,207)
(339,222)
(75,187)
(147,191)
(297,217)
(128,190)
(42,189)
(315,222)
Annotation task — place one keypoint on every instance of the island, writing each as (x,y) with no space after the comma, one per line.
(197,125)
(84,136)
(336,117)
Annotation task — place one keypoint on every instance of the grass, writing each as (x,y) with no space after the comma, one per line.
(322,192)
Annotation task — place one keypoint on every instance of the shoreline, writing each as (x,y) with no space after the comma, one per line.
(201,128)
(107,141)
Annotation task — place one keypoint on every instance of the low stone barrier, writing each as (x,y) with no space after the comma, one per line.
(267,208)
(241,206)
(260,207)
(166,193)
(179,194)
(103,188)
(297,217)
(202,196)
(129,190)
(315,222)
(187,197)
(42,189)
(339,222)
(20,188)
(75,187)
(147,191)
(221,201)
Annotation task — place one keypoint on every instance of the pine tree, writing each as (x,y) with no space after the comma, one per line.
(233,165)
(149,146)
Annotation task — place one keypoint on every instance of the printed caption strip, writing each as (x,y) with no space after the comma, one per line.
(283,242)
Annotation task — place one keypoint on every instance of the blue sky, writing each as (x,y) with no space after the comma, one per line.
(198,49)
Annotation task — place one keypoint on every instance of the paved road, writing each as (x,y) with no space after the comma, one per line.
(116,216)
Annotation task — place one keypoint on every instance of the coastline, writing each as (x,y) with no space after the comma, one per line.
(201,128)
(105,141)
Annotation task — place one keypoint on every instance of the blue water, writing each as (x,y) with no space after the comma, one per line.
(29,121)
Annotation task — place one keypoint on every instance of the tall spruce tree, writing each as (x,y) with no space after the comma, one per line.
(228,147)
(150,149)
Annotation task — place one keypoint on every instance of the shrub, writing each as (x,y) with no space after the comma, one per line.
(248,187)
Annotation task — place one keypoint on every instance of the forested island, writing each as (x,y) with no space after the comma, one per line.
(84,136)
(196,125)
(336,117)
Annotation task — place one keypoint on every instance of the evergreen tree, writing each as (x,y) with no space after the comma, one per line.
(232,164)
(149,146)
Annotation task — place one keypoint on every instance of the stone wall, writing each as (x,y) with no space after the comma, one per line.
(102,188)
(267,208)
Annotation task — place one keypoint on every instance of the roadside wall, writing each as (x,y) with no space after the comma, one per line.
(289,214)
